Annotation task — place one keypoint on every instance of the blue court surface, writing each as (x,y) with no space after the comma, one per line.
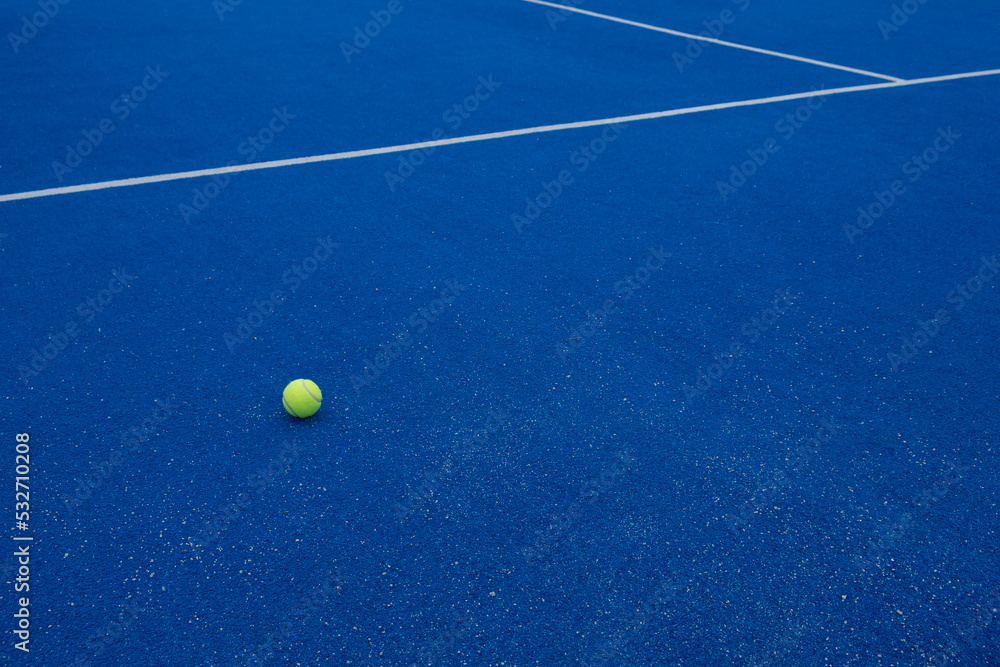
(649,333)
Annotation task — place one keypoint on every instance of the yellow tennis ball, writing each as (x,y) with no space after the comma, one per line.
(302,398)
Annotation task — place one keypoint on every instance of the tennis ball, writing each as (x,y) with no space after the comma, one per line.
(302,398)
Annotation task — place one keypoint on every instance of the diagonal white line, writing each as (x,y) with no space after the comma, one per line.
(481,137)
(700,38)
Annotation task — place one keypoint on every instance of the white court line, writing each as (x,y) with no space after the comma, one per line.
(480,137)
(715,41)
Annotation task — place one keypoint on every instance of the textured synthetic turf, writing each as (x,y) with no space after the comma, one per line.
(638,419)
